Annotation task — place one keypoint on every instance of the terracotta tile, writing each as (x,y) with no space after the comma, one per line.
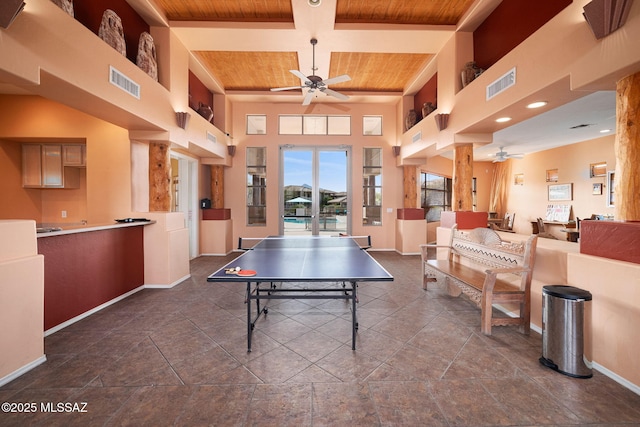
(313,374)
(205,367)
(284,330)
(153,406)
(406,403)
(348,365)
(341,404)
(278,365)
(418,363)
(529,400)
(467,403)
(222,405)
(281,405)
(477,360)
(313,345)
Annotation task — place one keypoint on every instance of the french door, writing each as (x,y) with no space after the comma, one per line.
(315,189)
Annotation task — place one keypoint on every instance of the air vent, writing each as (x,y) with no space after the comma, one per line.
(502,84)
(584,125)
(118,79)
(211,137)
(417,137)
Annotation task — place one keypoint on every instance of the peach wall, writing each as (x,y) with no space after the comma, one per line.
(21,299)
(235,177)
(615,286)
(108,176)
(166,249)
(18,202)
(529,201)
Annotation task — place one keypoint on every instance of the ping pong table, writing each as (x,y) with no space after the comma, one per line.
(337,260)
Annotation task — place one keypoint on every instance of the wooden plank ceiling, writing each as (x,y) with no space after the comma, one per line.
(261,70)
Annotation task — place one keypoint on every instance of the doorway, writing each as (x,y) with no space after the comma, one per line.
(315,187)
(184,196)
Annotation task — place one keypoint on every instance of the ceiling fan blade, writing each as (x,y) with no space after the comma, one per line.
(307,97)
(499,160)
(277,89)
(299,75)
(338,79)
(515,156)
(334,93)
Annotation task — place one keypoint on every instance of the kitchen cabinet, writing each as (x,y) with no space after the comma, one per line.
(74,155)
(42,167)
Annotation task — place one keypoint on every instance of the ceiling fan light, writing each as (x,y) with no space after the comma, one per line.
(314,3)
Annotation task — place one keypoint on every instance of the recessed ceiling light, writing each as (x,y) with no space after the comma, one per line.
(605,130)
(503,119)
(314,3)
(537,104)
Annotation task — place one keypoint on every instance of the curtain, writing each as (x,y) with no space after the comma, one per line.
(500,188)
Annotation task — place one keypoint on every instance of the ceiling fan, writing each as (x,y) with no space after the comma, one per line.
(502,155)
(314,82)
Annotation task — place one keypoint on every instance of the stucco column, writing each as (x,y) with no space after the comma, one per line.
(627,149)
(462,178)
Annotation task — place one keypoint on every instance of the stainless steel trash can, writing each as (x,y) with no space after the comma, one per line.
(566,330)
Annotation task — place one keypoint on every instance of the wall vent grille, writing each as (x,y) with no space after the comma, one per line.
(417,137)
(118,79)
(211,137)
(503,83)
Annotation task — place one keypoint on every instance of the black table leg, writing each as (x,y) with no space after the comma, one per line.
(249,324)
(354,318)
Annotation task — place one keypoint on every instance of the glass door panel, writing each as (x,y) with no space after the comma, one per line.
(332,186)
(297,191)
(313,191)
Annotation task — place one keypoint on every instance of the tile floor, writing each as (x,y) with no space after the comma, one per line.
(178,357)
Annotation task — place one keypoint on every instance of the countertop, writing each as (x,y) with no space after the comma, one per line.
(88,228)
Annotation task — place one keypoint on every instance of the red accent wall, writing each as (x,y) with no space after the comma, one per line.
(428,93)
(198,92)
(89,13)
(85,270)
(509,25)
(611,239)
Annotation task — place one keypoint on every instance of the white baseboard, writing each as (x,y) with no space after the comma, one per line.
(168,286)
(90,312)
(23,370)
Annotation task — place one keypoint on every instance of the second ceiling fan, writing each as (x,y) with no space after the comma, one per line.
(502,156)
(314,82)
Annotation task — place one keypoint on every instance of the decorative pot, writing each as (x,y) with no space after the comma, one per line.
(427,109)
(411,120)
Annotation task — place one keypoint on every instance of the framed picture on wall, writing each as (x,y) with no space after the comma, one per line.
(597,189)
(560,192)
(552,175)
(518,179)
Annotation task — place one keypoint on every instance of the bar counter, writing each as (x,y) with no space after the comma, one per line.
(87,268)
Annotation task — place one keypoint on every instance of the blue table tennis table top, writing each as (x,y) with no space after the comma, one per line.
(318,259)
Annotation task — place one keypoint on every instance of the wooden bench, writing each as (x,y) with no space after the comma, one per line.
(474,262)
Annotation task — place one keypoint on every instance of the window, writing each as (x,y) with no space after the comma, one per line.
(372,125)
(314,125)
(435,195)
(256,124)
(372,186)
(256,186)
